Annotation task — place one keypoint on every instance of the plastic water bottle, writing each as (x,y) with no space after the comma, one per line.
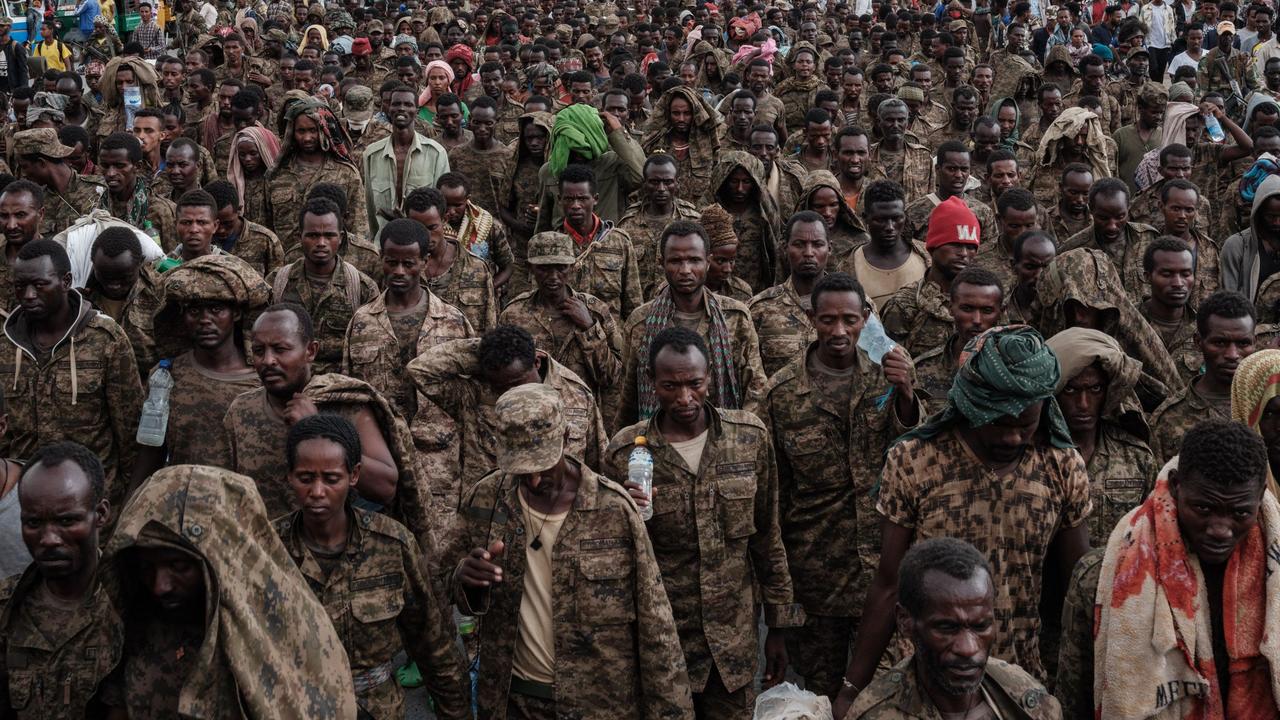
(1214,128)
(155,411)
(640,472)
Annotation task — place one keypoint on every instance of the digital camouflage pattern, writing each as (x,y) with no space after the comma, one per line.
(468,286)
(1073,684)
(935,488)
(936,369)
(483,170)
(136,314)
(1125,254)
(267,638)
(594,354)
(85,389)
(645,232)
(1008,690)
(844,235)
(782,324)
(54,659)
(381,601)
(161,217)
(1180,340)
(331,309)
(61,209)
(449,375)
(291,183)
(617,650)
(918,316)
(830,451)
(1122,471)
(200,394)
(607,269)
(758,226)
(715,533)
(258,246)
(1178,414)
(912,168)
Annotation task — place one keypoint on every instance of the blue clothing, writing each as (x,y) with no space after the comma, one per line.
(88,11)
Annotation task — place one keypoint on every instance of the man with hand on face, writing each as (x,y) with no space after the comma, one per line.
(1011,469)
(946,608)
(828,524)
(558,565)
(693,443)
(61,631)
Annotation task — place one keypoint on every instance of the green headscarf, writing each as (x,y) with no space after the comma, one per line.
(1002,372)
(578,129)
(1010,143)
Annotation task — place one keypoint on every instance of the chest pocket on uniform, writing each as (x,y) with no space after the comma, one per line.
(811,454)
(87,392)
(737,505)
(606,588)
(471,295)
(21,688)
(377,599)
(364,354)
(607,282)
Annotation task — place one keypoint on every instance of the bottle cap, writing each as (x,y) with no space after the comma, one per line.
(640,440)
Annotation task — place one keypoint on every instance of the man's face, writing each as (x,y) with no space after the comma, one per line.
(582,92)
(1075,192)
(1050,106)
(680,116)
(149,131)
(401,267)
(491,83)
(39,289)
(60,520)
(171,76)
(1017,39)
(210,324)
(321,238)
(455,203)
(851,86)
(764,145)
(893,122)
(181,166)
(1171,277)
(1110,214)
(1225,343)
(304,80)
(954,69)
(124,78)
(306,135)
(742,114)
(953,172)
(19,217)
(1179,210)
(578,203)
(1083,398)
(1269,216)
(280,356)
(684,263)
(1037,253)
(174,579)
(550,278)
(1138,66)
(681,382)
(832,73)
(922,76)
(986,138)
(818,136)
(118,170)
(402,109)
(740,185)
(952,258)
(807,248)
(983,78)
(804,65)
(953,634)
(660,183)
(975,309)
(616,105)
(595,59)
(408,75)
(838,319)
(1214,519)
(1004,439)
(855,40)
(534,139)
(195,229)
(233,50)
(449,119)
(1002,176)
(851,156)
(758,80)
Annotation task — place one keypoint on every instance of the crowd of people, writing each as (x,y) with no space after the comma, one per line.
(343,339)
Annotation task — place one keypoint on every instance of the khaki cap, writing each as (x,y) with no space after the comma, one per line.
(551,248)
(530,429)
(40,141)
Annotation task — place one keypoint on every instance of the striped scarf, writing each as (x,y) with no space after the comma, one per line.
(661,314)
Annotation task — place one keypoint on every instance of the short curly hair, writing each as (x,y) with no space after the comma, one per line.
(1223,453)
(60,452)
(952,557)
(506,344)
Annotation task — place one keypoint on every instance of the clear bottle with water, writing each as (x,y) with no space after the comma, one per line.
(1214,128)
(640,472)
(155,411)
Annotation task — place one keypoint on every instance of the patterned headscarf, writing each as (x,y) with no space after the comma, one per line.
(268,148)
(723,374)
(1256,382)
(333,139)
(1002,372)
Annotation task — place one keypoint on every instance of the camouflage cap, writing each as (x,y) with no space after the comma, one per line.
(40,141)
(374,26)
(530,429)
(277,35)
(358,105)
(1152,94)
(551,248)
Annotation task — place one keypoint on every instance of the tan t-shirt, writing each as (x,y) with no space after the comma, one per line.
(882,284)
(691,450)
(535,656)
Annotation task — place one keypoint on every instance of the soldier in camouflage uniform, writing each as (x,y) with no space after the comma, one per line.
(482,159)
(60,634)
(68,371)
(975,304)
(725,324)
(946,580)
(830,433)
(738,187)
(729,544)
(520,191)
(455,274)
(781,313)
(951,172)
(575,328)
(196,648)
(313,150)
(1124,246)
(897,157)
(606,260)
(381,604)
(329,288)
(645,219)
(240,236)
(1225,335)
(546,532)
(22,212)
(124,288)
(695,143)
(130,196)
(68,196)
(1169,269)
(475,229)
(465,377)
(845,230)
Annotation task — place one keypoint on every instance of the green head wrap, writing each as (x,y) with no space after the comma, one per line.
(1002,372)
(578,129)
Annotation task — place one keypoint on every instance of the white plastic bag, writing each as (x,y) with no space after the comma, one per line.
(785,701)
(78,240)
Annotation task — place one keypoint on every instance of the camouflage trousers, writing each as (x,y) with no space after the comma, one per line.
(819,651)
(715,702)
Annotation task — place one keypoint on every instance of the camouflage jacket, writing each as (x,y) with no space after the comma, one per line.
(914,173)
(259,247)
(331,311)
(1061,227)
(781,322)
(644,231)
(86,389)
(83,193)
(137,315)
(1121,473)
(468,286)
(381,601)
(1145,208)
(1176,416)
(1126,93)
(594,354)
(162,217)
(55,672)
(1074,681)
(936,370)
(617,651)
(830,452)
(449,376)
(715,533)
(607,268)
(745,348)
(918,316)
(508,127)
(898,695)
(1125,254)
(289,186)
(1181,343)
(483,171)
